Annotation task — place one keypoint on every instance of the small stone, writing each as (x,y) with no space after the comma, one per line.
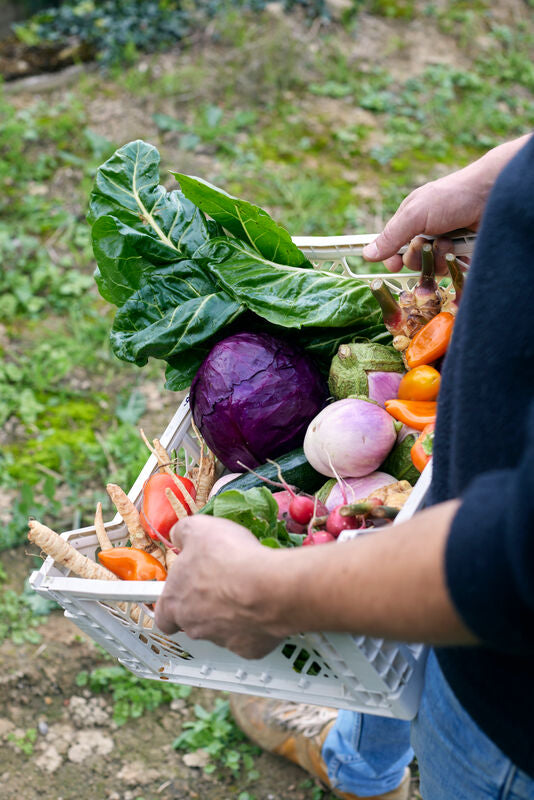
(197,760)
(61,736)
(42,727)
(177,704)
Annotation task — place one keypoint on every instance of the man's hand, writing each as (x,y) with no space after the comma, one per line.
(455,201)
(215,589)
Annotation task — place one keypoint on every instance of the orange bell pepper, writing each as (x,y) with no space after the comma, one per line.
(421,450)
(431,342)
(415,413)
(420,383)
(132,564)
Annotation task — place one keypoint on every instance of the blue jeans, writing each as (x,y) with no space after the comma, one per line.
(366,755)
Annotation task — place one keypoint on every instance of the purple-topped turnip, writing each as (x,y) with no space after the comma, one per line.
(350,437)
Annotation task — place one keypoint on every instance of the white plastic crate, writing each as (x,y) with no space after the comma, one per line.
(338,670)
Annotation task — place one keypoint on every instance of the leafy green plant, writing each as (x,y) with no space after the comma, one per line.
(17,619)
(394,9)
(132,696)
(216,733)
(24,743)
(193,282)
(112,30)
(116,31)
(28,504)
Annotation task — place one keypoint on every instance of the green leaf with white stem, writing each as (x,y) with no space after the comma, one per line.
(175,308)
(127,190)
(247,222)
(289,296)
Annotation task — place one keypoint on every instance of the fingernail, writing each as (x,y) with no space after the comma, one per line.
(370,251)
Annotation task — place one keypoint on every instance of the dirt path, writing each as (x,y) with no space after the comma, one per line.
(79,752)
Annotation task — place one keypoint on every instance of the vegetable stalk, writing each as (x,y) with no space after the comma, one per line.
(426,293)
(457,277)
(369,509)
(394,315)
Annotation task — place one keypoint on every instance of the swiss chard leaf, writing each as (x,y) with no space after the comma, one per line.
(182,369)
(180,285)
(247,222)
(289,296)
(124,255)
(176,308)
(255,509)
(127,187)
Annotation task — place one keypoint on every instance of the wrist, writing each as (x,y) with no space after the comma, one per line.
(273,584)
(484,172)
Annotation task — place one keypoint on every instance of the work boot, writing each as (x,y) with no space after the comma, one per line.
(297,732)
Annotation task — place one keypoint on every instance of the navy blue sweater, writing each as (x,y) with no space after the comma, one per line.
(484,453)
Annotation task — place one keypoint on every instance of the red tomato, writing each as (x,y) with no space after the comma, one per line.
(157,511)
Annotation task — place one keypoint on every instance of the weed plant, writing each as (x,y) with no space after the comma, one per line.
(131,696)
(215,733)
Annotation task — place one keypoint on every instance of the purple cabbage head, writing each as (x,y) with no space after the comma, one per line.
(253,398)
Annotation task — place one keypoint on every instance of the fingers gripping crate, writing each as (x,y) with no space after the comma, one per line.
(359,673)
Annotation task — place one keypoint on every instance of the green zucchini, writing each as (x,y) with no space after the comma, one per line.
(297,471)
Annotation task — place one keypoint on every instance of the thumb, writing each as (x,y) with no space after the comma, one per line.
(400,229)
(180,533)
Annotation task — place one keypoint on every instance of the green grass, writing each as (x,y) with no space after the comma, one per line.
(25,743)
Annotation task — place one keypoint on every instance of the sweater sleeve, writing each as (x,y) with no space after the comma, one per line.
(489,559)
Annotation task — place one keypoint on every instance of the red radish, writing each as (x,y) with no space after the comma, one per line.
(336,523)
(284,499)
(303,508)
(318,537)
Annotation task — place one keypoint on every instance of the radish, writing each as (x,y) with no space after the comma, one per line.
(318,537)
(352,489)
(336,522)
(284,499)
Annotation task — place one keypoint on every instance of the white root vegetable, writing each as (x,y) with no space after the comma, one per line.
(101,533)
(130,515)
(170,558)
(177,507)
(65,554)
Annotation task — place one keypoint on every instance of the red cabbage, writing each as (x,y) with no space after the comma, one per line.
(253,397)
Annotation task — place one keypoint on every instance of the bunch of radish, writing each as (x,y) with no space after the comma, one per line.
(306,515)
